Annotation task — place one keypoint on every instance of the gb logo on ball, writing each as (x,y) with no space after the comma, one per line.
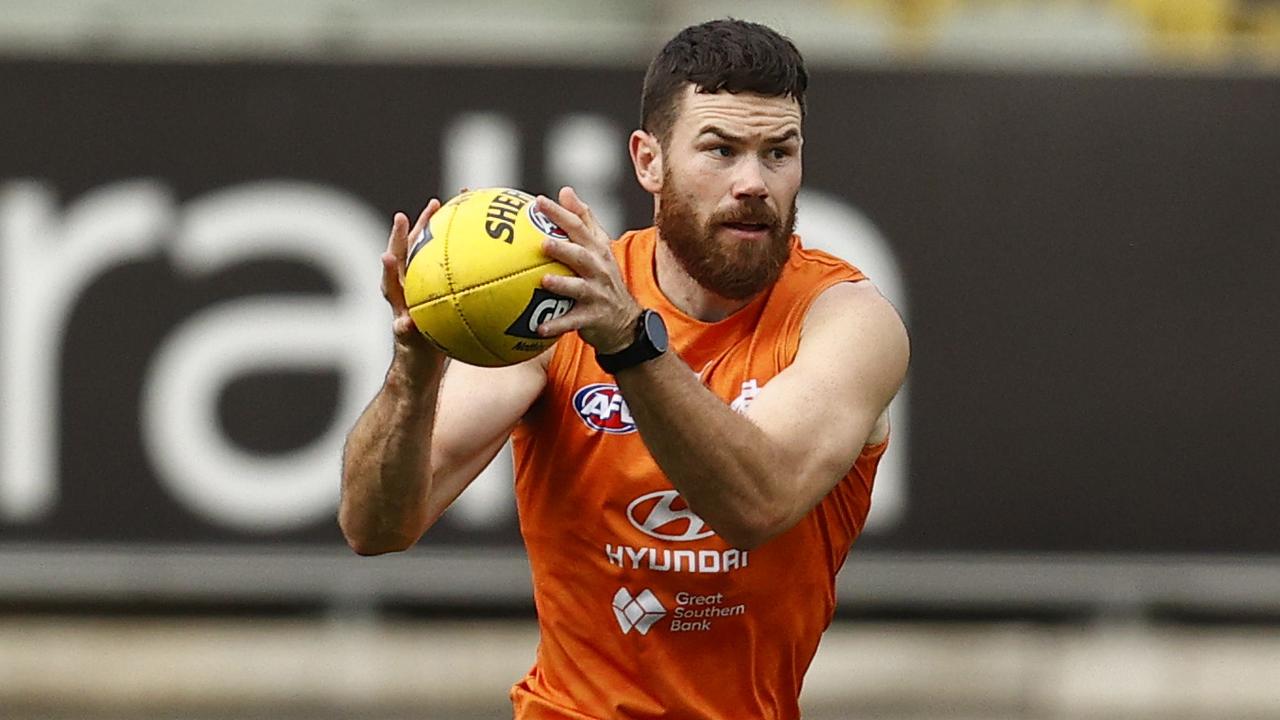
(543,306)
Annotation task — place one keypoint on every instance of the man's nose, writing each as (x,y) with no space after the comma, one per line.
(748,180)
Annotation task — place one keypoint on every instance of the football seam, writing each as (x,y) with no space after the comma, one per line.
(497,280)
(453,294)
(471,331)
(455,297)
(483,285)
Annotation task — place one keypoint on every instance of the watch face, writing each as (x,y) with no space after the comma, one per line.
(656,329)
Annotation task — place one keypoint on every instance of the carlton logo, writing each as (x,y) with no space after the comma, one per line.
(543,223)
(601,407)
(656,515)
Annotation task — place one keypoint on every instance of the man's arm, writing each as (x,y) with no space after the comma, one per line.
(749,477)
(753,477)
(418,445)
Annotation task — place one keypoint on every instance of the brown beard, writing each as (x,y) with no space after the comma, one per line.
(735,270)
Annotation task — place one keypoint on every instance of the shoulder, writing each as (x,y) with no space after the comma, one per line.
(854,318)
(853,298)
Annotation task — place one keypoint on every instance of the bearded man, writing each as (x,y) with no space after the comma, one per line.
(684,554)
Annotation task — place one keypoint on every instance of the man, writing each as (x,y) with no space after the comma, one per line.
(685,505)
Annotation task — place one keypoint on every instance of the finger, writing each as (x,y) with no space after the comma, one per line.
(420,224)
(574,204)
(399,227)
(570,223)
(577,258)
(392,284)
(424,217)
(401,250)
(565,286)
(398,243)
(575,319)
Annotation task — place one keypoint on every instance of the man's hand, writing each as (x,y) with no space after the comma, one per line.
(410,343)
(604,311)
(401,468)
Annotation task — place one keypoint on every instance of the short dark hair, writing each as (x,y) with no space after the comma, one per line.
(731,55)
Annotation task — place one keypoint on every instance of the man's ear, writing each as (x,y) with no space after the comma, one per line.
(646,156)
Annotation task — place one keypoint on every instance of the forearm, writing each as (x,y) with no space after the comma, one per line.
(724,466)
(386,474)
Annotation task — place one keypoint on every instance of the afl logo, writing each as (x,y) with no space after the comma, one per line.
(655,515)
(601,407)
(543,223)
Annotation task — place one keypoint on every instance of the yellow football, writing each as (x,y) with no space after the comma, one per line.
(472,281)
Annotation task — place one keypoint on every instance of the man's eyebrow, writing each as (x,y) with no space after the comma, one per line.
(790,134)
(720,133)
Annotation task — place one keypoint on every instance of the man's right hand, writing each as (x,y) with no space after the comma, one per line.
(411,345)
(400,468)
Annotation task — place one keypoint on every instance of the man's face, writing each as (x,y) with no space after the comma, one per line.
(731,171)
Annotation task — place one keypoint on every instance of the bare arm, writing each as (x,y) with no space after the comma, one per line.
(416,447)
(386,479)
(753,477)
(749,477)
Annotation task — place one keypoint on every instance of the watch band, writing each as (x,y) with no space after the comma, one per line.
(650,342)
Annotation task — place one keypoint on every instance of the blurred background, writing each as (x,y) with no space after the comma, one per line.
(1075,204)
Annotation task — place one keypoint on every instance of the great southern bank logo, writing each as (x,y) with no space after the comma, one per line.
(637,612)
(601,407)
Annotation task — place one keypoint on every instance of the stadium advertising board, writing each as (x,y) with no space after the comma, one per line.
(190,318)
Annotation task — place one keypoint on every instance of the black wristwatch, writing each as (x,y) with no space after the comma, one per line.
(650,342)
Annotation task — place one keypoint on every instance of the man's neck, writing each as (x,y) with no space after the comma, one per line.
(685,293)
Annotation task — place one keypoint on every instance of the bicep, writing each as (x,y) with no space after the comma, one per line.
(477,409)
(822,409)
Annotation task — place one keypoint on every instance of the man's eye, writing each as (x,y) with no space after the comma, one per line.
(779,153)
(722,150)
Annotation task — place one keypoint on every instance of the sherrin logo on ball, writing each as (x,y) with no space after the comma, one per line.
(473,280)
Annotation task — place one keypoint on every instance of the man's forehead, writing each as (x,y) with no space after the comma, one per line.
(749,110)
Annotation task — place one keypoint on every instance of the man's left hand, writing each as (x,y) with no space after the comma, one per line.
(604,311)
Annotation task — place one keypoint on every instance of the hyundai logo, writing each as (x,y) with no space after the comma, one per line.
(653,515)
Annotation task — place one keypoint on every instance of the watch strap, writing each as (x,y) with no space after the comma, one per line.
(643,348)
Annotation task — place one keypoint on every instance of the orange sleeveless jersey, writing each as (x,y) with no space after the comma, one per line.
(644,612)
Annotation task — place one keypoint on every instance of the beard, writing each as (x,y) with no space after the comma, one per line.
(733,269)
